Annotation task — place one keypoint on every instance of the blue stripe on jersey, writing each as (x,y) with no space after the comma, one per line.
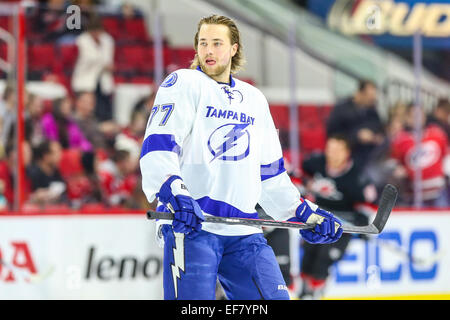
(273,169)
(222,209)
(160,142)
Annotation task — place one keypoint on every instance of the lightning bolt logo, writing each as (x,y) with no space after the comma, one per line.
(178,260)
(236,132)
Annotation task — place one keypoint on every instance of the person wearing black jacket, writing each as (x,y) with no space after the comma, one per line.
(356,117)
(333,181)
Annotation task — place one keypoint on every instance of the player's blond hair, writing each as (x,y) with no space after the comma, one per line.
(238,60)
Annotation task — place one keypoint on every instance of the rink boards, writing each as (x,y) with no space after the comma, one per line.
(410,259)
(100,256)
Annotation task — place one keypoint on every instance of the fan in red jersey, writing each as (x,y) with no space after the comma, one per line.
(429,157)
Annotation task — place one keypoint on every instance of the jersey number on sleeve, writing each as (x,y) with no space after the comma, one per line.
(167,109)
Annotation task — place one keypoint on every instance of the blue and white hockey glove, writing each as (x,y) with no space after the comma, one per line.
(188,216)
(328,227)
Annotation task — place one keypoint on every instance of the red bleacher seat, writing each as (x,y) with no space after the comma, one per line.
(68,55)
(183,56)
(312,138)
(141,80)
(134,58)
(3,51)
(135,30)
(5,23)
(111,26)
(280,115)
(41,56)
(309,114)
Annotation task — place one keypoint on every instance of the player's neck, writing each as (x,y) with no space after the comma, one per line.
(224,77)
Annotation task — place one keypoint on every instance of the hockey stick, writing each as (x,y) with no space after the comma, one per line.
(387,202)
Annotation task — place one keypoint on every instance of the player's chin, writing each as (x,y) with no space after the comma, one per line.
(211,70)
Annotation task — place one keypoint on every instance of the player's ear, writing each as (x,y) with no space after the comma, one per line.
(234,49)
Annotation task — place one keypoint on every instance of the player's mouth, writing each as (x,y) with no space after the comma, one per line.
(210,62)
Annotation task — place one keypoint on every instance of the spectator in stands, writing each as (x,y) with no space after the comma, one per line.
(6,179)
(47,185)
(128,11)
(7,114)
(357,118)
(60,125)
(49,22)
(381,168)
(86,5)
(98,134)
(8,166)
(145,104)
(429,157)
(441,115)
(132,137)
(94,67)
(120,181)
(334,183)
(33,116)
(90,164)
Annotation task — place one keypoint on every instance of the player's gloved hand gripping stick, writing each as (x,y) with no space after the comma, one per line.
(327,228)
(385,206)
(185,211)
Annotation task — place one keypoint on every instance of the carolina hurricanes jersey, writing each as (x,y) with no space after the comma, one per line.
(430,158)
(221,139)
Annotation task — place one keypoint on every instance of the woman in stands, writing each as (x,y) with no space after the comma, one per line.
(59,125)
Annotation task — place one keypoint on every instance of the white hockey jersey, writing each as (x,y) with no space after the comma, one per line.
(221,139)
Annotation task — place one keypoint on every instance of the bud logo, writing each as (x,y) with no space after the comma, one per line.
(19,266)
(387,16)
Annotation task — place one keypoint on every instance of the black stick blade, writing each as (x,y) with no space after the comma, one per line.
(387,203)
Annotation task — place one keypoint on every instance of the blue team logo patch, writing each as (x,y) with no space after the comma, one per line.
(170,80)
(230,142)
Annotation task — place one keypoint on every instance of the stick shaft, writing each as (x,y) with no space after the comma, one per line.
(387,202)
(262,223)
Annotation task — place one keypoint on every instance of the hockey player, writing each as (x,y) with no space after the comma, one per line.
(335,183)
(211,148)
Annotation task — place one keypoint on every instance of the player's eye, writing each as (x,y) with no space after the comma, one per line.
(217,44)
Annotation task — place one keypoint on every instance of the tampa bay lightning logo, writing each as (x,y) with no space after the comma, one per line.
(230,142)
(235,95)
(170,80)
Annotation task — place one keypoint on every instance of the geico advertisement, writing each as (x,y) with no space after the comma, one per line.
(410,257)
(79,257)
